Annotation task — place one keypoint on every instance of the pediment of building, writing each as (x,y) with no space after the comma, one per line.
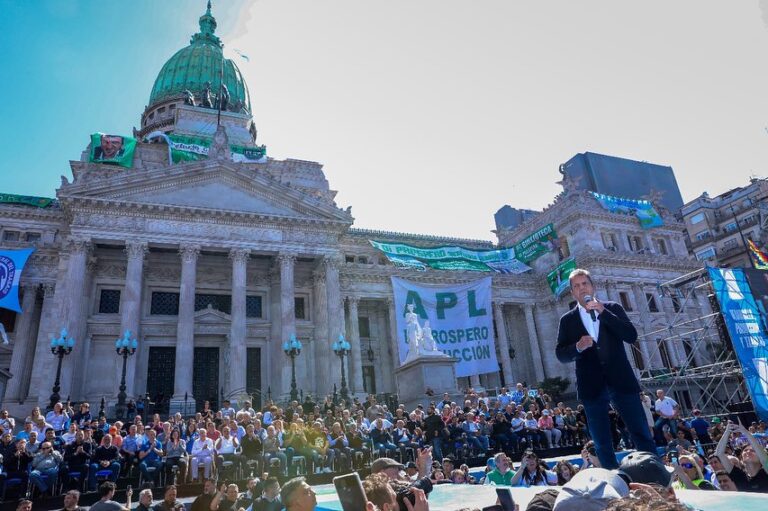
(199,187)
(211,315)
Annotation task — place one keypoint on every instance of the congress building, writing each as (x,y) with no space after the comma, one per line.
(213,262)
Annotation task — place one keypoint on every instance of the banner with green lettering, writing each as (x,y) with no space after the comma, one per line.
(537,244)
(451,258)
(115,149)
(459,316)
(27,200)
(186,148)
(558,278)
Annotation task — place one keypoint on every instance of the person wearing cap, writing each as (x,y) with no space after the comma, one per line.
(645,468)
(592,335)
(388,467)
(591,490)
(547,426)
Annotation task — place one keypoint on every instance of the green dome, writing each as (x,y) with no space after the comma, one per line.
(200,62)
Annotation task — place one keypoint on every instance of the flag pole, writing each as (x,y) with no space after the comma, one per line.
(221,88)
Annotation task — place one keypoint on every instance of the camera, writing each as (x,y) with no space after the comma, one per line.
(403,490)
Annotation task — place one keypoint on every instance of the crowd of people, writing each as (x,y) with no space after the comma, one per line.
(73,450)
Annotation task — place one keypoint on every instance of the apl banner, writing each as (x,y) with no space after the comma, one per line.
(11,265)
(537,244)
(742,319)
(115,149)
(451,258)
(460,318)
(642,209)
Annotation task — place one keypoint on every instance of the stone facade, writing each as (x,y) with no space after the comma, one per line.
(212,265)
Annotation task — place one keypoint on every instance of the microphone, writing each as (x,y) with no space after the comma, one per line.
(587,299)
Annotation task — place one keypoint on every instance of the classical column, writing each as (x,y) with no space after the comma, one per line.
(74,312)
(47,325)
(651,356)
(610,290)
(393,337)
(355,356)
(185,331)
(22,344)
(474,381)
(237,329)
(501,330)
(322,349)
(130,305)
(335,316)
(287,262)
(276,355)
(533,337)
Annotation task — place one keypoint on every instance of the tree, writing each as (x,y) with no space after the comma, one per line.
(554,387)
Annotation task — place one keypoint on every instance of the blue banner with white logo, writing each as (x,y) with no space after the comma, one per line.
(11,265)
(746,329)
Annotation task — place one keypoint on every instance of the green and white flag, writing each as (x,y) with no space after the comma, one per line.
(27,200)
(537,244)
(186,148)
(114,149)
(451,258)
(558,278)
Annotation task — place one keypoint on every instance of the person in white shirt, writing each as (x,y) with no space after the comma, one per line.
(667,408)
(226,447)
(227,410)
(202,452)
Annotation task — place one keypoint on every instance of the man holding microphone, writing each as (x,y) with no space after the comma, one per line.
(593,334)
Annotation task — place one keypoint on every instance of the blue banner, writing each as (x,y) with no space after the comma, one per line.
(642,209)
(746,329)
(11,265)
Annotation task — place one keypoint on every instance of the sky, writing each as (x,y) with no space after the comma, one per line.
(428,115)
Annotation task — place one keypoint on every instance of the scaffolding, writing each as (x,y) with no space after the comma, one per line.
(692,358)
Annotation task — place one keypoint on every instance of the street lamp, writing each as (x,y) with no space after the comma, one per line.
(60,347)
(125,347)
(341,348)
(292,348)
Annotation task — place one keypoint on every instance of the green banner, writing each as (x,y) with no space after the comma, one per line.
(27,200)
(451,258)
(537,244)
(114,149)
(558,278)
(186,148)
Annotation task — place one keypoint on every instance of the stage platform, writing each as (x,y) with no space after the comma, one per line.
(450,497)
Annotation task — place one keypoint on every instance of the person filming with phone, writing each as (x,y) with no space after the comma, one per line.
(593,334)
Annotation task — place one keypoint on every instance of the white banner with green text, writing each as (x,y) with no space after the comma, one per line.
(460,317)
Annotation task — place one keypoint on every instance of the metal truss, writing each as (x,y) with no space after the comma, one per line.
(692,359)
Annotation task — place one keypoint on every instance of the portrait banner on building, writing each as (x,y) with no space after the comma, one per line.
(558,279)
(460,317)
(27,200)
(742,318)
(451,258)
(642,209)
(537,244)
(113,149)
(11,265)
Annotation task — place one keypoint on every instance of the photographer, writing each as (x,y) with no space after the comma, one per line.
(383,497)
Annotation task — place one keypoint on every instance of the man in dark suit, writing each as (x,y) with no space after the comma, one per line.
(593,335)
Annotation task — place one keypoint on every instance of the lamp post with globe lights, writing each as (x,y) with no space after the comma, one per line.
(342,348)
(292,348)
(125,347)
(60,347)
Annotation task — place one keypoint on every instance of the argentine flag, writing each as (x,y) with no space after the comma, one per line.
(11,265)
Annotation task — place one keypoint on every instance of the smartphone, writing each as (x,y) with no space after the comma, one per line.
(350,491)
(505,499)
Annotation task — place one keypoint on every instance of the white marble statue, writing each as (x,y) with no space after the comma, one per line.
(413,333)
(427,341)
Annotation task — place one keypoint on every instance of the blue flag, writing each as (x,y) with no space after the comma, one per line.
(11,265)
